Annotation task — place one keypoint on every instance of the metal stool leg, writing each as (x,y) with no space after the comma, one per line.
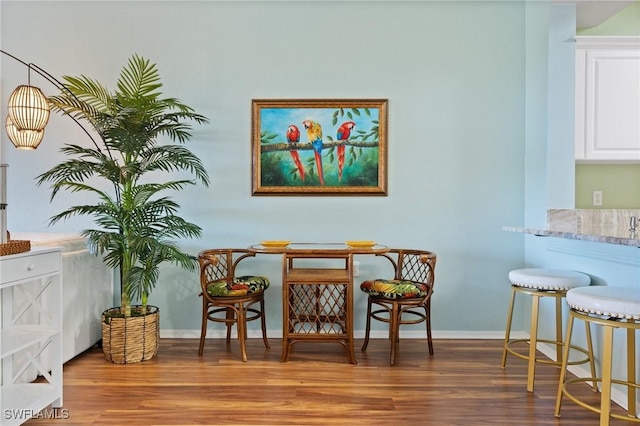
(605,393)
(592,360)
(533,339)
(631,372)
(508,330)
(559,329)
(563,368)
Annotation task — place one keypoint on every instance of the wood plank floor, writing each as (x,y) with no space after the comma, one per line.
(462,384)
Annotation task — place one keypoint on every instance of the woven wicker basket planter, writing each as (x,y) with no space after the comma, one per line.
(131,339)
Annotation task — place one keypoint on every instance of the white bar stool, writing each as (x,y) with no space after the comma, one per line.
(610,307)
(539,283)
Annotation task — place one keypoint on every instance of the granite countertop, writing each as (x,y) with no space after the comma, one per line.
(602,226)
(630,239)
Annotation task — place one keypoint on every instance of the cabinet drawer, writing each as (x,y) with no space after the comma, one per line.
(24,267)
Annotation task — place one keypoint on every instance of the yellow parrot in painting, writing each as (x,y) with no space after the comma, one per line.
(314,133)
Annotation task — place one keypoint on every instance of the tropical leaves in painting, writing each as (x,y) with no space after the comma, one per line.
(349,113)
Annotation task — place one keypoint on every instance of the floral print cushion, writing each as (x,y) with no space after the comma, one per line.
(239,286)
(394,289)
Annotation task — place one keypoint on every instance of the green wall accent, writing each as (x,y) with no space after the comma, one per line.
(619,183)
(624,23)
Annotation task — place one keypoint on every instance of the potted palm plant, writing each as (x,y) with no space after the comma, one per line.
(136,223)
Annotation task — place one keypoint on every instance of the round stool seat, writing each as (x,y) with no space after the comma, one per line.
(616,302)
(548,279)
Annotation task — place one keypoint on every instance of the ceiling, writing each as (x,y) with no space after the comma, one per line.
(591,13)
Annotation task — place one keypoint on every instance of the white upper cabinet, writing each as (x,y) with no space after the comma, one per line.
(607,98)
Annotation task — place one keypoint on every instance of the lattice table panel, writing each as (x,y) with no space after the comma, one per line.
(318,302)
(317,308)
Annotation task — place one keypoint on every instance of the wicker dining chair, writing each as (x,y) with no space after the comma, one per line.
(230,299)
(403,299)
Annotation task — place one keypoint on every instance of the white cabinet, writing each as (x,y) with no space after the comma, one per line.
(87,286)
(607,98)
(31,330)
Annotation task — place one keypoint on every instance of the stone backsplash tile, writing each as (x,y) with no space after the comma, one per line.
(562,219)
(591,220)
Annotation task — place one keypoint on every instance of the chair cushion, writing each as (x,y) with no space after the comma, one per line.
(394,289)
(239,286)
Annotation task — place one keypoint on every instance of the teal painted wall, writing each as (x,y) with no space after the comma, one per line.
(454,75)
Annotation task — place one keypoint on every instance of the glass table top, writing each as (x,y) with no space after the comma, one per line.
(282,246)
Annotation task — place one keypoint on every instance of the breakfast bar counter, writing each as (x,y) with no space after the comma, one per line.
(628,239)
(603,226)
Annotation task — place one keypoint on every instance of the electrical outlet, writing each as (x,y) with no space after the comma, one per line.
(356,269)
(597,198)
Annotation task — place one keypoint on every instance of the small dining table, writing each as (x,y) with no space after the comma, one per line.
(317,290)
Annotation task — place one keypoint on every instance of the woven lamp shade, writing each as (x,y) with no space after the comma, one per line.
(23,139)
(28,108)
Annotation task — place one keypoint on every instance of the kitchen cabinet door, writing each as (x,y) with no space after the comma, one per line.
(608,99)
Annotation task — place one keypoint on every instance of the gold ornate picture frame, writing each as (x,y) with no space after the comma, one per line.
(319,146)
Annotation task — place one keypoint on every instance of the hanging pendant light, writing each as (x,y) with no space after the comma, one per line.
(23,139)
(28,108)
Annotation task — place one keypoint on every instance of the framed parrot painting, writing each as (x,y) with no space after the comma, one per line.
(319,146)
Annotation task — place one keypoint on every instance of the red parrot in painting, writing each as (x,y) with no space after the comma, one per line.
(293,136)
(344,131)
(314,133)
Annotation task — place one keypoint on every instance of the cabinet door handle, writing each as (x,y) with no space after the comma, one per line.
(31,267)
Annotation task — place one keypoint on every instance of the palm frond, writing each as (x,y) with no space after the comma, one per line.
(171,158)
(89,91)
(138,79)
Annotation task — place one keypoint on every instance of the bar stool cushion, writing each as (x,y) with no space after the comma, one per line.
(548,279)
(616,302)
(239,286)
(394,289)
